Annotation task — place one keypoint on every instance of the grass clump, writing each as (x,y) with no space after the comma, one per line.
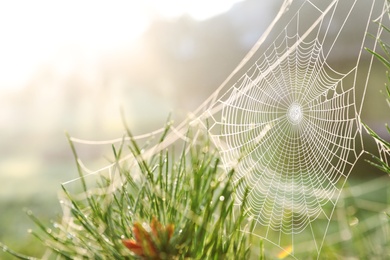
(164,206)
(382,161)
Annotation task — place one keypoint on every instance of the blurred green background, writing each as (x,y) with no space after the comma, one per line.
(72,66)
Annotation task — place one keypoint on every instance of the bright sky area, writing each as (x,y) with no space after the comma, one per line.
(34,33)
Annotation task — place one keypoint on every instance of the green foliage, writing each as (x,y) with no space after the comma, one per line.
(383,145)
(192,194)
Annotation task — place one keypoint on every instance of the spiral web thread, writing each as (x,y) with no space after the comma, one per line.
(287,120)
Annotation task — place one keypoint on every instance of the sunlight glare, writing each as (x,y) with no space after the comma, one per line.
(36,33)
(199,10)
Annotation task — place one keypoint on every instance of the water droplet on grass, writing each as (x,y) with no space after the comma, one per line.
(354,221)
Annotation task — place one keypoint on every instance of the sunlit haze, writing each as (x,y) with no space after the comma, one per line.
(40,32)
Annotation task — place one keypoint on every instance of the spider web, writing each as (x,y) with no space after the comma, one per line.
(287,120)
(290,125)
